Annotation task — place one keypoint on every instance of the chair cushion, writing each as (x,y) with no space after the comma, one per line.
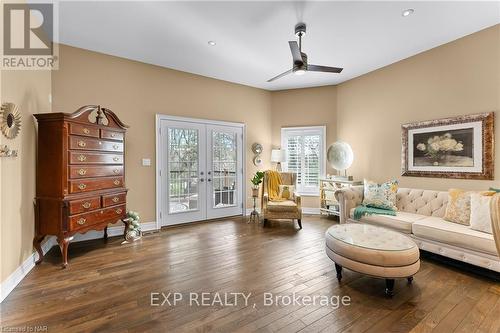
(282,206)
(401,222)
(440,230)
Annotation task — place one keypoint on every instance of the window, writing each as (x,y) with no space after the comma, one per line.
(305,148)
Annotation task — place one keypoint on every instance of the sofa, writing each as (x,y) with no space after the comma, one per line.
(420,215)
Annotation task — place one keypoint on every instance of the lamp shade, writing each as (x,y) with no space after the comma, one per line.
(278,155)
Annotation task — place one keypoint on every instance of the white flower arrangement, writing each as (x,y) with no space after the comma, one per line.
(438,146)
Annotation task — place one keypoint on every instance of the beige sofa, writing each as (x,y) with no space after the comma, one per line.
(420,215)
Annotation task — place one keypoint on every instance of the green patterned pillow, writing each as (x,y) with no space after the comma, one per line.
(495,189)
(380,195)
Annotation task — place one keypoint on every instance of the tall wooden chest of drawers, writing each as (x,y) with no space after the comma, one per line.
(80,174)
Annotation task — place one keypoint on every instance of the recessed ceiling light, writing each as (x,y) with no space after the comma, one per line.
(212,43)
(407,12)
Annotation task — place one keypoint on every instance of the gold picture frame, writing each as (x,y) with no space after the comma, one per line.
(458,147)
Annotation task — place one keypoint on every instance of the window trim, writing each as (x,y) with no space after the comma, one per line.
(302,130)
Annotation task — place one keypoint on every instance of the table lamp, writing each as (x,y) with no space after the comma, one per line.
(278,156)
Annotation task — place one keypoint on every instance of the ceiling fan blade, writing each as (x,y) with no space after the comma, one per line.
(280,75)
(317,68)
(296,55)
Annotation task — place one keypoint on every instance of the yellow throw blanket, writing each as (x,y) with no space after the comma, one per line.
(273,185)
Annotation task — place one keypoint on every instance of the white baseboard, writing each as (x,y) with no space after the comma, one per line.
(305,210)
(310,210)
(18,275)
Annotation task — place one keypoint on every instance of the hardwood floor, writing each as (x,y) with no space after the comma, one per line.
(107,287)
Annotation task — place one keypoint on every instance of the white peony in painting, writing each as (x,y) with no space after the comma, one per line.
(452,148)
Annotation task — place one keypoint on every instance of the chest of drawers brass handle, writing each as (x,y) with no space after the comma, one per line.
(86,205)
(82,158)
(82,172)
(113,135)
(81,144)
(116,146)
(116,182)
(115,199)
(82,186)
(118,211)
(116,158)
(86,131)
(116,171)
(81,221)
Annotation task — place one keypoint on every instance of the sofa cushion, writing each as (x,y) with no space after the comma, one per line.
(401,222)
(437,229)
(380,195)
(282,206)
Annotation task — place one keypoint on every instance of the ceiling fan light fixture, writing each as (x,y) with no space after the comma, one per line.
(407,12)
(299,72)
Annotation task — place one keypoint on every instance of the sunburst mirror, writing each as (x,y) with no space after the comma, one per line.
(10,120)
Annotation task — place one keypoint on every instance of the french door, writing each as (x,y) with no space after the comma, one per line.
(201,171)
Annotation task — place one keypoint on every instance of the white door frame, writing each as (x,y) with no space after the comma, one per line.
(159,161)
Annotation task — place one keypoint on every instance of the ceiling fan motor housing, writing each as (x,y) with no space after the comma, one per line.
(303,64)
(300,29)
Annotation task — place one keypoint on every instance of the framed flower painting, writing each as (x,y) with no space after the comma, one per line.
(459,147)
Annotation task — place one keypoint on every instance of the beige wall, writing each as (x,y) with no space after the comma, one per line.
(29,90)
(137,91)
(462,77)
(305,107)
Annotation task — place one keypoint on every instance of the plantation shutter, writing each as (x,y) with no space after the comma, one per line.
(305,156)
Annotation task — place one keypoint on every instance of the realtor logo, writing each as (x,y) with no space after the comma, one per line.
(28,35)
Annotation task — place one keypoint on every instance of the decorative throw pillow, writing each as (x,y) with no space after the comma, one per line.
(480,213)
(495,189)
(380,195)
(286,191)
(458,208)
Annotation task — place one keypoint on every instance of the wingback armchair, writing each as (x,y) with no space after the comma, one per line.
(287,209)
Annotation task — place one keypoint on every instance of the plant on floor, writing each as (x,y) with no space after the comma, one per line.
(132,227)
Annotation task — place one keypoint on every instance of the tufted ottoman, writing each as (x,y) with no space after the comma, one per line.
(374,251)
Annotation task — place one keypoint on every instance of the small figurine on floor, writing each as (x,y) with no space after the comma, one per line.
(132,227)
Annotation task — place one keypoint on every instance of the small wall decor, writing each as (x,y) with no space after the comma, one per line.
(257,150)
(459,147)
(5,151)
(10,120)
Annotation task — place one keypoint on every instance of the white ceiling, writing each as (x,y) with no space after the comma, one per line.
(252,37)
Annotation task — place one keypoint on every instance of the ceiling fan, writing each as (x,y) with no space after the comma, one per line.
(300,65)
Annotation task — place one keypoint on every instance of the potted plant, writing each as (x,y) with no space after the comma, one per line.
(256,180)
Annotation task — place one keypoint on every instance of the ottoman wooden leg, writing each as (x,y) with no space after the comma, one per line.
(389,287)
(338,268)
(409,279)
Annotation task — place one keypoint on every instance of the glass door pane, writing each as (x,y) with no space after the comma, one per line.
(224,164)
(183,169)
(183,161)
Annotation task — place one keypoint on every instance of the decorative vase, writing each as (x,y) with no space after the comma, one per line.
(255,192)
